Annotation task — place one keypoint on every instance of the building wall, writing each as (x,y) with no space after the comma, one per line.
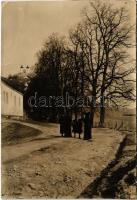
(11,101)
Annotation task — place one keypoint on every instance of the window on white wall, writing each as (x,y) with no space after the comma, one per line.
(4,96)
(7,97)
(19,101)
(15,100)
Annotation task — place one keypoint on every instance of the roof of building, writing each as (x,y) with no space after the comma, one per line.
(6,82)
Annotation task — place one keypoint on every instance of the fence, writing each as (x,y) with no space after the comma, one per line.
(120,125)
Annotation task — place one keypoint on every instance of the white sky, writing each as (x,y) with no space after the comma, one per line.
(26,25)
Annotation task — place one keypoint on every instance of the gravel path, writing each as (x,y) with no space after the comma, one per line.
(50,166)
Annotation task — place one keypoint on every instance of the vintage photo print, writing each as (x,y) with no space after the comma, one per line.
(68,99)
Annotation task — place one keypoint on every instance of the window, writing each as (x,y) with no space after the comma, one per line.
(6,97)
(15,100)
(19,101)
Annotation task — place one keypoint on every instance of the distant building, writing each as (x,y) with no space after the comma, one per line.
(11,101)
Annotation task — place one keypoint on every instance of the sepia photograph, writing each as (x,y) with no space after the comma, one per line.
(68,99)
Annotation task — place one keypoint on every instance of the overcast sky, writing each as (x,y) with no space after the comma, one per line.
(26,25)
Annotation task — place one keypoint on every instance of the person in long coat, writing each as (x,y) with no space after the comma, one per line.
(74,127)
(67,125)
(62,125)
(79,127)
(87,126)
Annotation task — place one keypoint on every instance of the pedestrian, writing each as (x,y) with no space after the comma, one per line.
(79,127)
(67,125)
(87,126)
(62,123)
(74,127)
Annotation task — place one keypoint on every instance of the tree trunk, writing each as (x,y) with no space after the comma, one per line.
(92,116)
(102,112)
(75,112)
(92,109)
(81,111)
(102,117)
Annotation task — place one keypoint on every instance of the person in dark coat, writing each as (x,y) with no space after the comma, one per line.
(62,125)
(74,127)
(87,126)
(79,127)
(67,126)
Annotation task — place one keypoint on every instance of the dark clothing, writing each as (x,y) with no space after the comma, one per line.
(87,127)
(79,126)
(74,126)
(67,125)
(62,125)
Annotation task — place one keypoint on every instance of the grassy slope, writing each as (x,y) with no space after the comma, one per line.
(13,133)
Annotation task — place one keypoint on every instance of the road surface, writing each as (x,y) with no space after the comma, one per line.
(50,166)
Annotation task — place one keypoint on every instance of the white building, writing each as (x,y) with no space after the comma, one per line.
(11,101)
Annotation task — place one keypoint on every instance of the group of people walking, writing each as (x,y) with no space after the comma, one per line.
(67,126)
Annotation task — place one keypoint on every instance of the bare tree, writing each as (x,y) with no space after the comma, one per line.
(103,37)
(114,33)
(118,80)
(75,74)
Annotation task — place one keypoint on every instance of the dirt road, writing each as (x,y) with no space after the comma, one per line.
(50,166)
